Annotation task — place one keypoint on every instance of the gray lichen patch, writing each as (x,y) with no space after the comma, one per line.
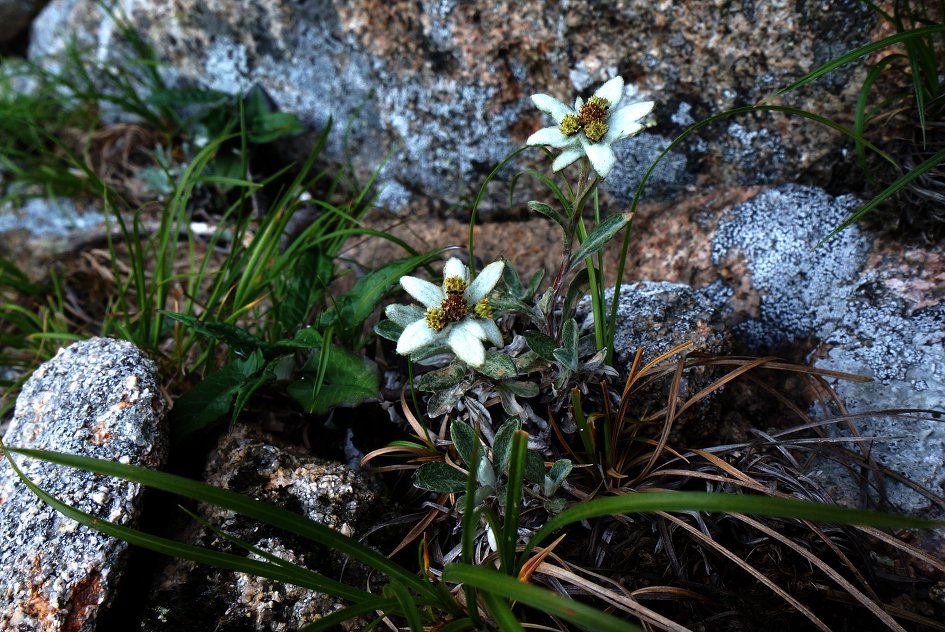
(870,313)
(96,398)
(801,288)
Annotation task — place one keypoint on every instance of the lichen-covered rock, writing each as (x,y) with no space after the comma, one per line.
(876,310)
(444,84)
(255,464)
(97,398)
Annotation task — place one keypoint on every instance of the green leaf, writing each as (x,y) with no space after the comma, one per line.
(355,305)
(550,213)
(533,284)
(554,506)
(439,477)
(306,338)
(513,283)
(310,274)
(502,443)
(492,581)
(901,182)
(349,380)
(598,238)
(541,344)
(567,353)
(441,379)
(534,467)
(522,389)
(498,366)
(389,330)
(556,475)
(463,438)
(211,398)
(725,503)
(240,341)
(444,401)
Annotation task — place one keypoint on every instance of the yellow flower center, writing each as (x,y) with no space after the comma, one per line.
(570,125)
(590,118)
(595,130)
(483,309)
(436,319)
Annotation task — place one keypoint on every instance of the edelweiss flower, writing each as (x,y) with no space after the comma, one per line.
(589,128)
(458,313)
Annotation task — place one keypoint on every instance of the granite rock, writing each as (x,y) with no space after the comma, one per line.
(871,309)
(254,463)
(96,398)
(444,84)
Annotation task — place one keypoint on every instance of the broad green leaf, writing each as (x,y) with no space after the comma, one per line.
(349,380)
(498,366)
(444,401)
(502,443)
(541,344)
(389,330)
(440,379)
(534,467)
(567,353)
(307,337)
(522,389)
(598,238)
(211,398)
(513,283)
(550,213)
(355,305)
(439,477)
(556,475)
(533,284)
(463,438)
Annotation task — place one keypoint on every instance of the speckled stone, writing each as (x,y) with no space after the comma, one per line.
(445,84)
(253,463)
(876,310)
(97,398)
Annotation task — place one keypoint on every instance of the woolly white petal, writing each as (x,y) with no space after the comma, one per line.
(566,157)
(492,331)
(473,327)
(403,315)
(465,344)
(612,91)
(551,106)
(484,283)
(615,133)
(551,136)
(626,121)
(601,156)
(424,291)
(455,268)
(416,335)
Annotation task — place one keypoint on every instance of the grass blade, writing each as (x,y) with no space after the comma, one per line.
(491,581)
